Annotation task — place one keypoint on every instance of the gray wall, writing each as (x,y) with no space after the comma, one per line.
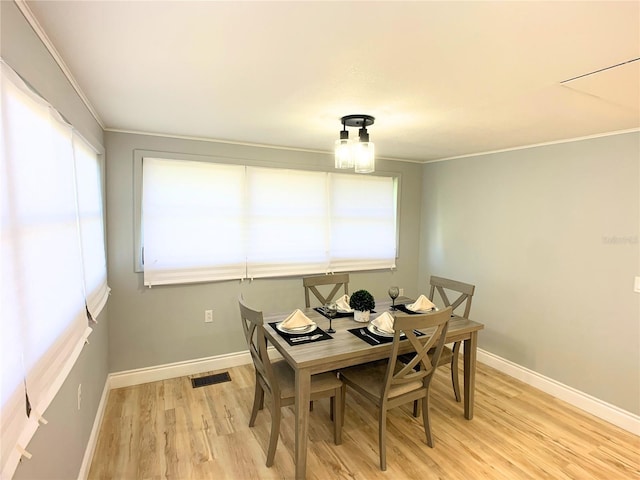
(27,55)
(549,236)
(58,447)
(165,324)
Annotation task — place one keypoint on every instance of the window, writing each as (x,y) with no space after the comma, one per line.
(192,217)
(286,222)
(205,221)
(52,260)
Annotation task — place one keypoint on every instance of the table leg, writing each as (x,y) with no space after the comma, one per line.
(470,350)
(303,392)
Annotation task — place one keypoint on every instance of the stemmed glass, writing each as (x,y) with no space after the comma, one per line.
(331,309)
(393,293)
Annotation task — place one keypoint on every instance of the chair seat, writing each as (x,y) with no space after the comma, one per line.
(370,378)
(321,382)
(445,356)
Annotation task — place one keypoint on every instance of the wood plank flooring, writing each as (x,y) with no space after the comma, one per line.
(169,430)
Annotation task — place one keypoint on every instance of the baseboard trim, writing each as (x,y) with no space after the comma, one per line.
(83,474)
(603,410)
(178,369)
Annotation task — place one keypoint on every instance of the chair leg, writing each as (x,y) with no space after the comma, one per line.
(276,414)
(416,408)
(343,400)
(454,370)
(382,434)
(336,402)
(258,403)
(331,407)
(425,420)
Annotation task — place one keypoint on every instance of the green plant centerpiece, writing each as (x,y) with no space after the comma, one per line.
(362,303)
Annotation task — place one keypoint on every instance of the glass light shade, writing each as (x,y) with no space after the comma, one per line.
(344,154)
(364,156)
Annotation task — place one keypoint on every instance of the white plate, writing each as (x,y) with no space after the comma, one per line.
(297,331)
(373,329)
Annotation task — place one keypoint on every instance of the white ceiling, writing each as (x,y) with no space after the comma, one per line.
(443,79)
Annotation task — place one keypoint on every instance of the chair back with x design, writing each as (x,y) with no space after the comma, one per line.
(337,281)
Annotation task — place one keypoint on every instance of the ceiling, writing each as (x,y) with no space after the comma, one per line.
(443,79)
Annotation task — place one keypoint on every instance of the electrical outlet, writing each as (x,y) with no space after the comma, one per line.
(636,285)
(401,292)
(208,316)
(79,395)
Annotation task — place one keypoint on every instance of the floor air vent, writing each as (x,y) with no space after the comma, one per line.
(210,379)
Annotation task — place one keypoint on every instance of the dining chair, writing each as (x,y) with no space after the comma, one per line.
(393,383)
(464,292)
(311,284)
(450,356)
(278,380)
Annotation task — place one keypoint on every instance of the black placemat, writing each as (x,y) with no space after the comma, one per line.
(404,309)
(363,333)
(321,311)
(302,338)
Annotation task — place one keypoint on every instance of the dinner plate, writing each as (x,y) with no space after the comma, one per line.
(298,330)
(375,330)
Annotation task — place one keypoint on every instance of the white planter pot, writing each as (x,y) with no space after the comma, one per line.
(362,317)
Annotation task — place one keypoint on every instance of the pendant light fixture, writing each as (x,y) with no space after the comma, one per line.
(361,154)
(344,157)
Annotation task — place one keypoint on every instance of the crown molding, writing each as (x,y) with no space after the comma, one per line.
(37,28)
(535,145)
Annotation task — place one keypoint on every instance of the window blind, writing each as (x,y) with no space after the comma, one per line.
(42,290)
(363,222)
(287,222)
(91,226)
(193,217)
(205,221)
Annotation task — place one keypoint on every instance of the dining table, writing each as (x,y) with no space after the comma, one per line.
(344,349)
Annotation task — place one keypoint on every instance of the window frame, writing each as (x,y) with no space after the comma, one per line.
(139,154)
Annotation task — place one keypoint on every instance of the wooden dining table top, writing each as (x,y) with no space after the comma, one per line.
(344,348)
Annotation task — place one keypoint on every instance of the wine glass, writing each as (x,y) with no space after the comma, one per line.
(393,293)
(331,309)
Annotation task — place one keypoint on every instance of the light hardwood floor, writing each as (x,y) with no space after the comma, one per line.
(168,429)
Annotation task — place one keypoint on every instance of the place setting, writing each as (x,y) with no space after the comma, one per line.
(379,330)
(420,306)
(298,329)
(342,308)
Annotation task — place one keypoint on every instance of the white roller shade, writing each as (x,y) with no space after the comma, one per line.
(193,217)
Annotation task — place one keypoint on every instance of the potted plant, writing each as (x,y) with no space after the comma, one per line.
(362,303)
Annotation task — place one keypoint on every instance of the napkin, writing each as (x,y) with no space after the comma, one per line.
(422,304)
(296,320)
(384,322)
(343,304)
